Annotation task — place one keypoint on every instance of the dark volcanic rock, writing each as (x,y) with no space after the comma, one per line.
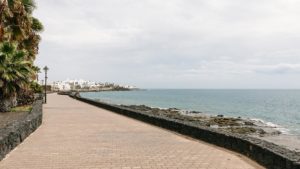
(14,133)
(234,125)
(223,122)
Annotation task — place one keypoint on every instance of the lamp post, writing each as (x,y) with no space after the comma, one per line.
(46,77)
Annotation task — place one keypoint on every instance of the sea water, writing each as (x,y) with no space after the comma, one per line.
(280,108)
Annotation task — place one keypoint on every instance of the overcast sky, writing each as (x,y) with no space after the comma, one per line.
(173,43)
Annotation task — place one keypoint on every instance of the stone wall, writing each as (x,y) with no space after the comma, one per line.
(12,135)
(265,153)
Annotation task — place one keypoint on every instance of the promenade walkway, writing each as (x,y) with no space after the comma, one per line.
(75,135)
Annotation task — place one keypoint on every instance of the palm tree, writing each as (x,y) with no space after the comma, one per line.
(14,73)
(19,30)
(2,17)
(36,70)
(18,25)
(16,21)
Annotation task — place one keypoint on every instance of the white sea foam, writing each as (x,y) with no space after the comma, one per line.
(263,123)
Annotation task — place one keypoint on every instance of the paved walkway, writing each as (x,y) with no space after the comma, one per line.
(75,135)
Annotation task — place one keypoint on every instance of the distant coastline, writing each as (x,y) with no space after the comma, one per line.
(102,90)
(67,92)
(81,85)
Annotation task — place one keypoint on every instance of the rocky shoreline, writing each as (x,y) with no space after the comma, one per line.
(239,125)
(229,124)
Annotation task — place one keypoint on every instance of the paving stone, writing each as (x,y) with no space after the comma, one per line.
(77,135)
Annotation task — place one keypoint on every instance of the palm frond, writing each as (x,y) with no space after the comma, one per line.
(29,5)
(7,48)
(37,26)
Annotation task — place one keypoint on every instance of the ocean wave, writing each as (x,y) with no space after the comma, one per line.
(268,124)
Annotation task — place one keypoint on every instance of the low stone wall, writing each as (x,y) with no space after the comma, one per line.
(12,135)
(265,153)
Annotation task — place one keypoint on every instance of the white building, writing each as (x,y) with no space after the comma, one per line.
(61,86)
(85,85)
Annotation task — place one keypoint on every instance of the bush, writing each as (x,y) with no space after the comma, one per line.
(36,88)
(25,97)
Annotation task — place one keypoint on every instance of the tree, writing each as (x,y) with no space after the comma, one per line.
(2,7)
(19,32)
(18,25)
(14,73)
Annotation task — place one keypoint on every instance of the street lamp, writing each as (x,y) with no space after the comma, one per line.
(46,77)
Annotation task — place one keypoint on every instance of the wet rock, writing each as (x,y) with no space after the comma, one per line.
(243,130)
(195,112)
(173,109)
(222,122)
(261,132)
(234,125)
(276,133)
(249,123)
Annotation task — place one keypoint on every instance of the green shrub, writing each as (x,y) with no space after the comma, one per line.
(25,97)
(36,88)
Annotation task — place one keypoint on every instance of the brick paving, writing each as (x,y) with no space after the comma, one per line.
(75,135)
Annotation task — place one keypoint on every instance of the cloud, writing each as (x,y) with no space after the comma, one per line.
(279,69)
(172,43)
